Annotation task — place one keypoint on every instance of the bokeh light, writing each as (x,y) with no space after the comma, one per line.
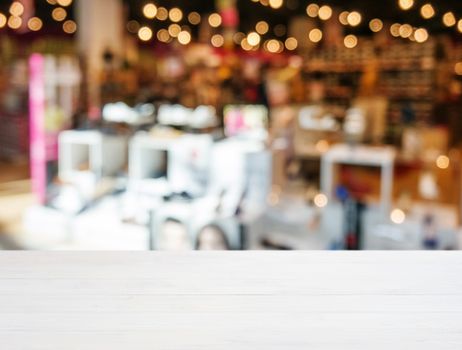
(145,33)
(35,24)
(315,35)
(150,10)
(350,41)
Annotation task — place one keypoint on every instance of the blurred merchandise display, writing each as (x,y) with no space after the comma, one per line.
(229,125)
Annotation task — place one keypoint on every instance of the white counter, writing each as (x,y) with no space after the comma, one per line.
(231,301)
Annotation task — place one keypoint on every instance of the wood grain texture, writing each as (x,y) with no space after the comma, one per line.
(250,300)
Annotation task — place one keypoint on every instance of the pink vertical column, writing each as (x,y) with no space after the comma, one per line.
(230,15)
(29,10)
(38,157)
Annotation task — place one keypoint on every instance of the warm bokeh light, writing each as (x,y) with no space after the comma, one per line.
(421,35)
(150,10)
(449,19)
(262,27)
(145,33)
(275,4)
(245,45)
(427,11)
(16,9)
(397,216)
(312,10)
(291,44)
(253,39)
(162,14)
(163,35)
(394,29)
(184,37)
(315,35)
(174,29)
(217,40)
(59,14)
(459,25)
(64,3)
(405,31)
(14,22)
(133,26)
(215,20)
(443,162)
(376,25)
(322,146)
(458,68)
(343,18)
(3,20)
(325,12)
(238,37)
(273,46)
(350,41)
(35,24)
(175,14)
(194,18)
(321,200)
(406,4)
(354,19)
(70,27)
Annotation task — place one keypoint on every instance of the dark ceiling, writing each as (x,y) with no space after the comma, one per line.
(251,12)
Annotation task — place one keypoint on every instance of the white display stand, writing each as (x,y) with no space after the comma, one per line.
(147,155)
(104,154)
(382,157)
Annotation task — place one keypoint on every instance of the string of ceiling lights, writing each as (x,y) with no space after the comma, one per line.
(354,19)
(253,40)
(16,18)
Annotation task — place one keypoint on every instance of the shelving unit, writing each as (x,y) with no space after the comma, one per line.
(405,74)
(14,126)
(14,136)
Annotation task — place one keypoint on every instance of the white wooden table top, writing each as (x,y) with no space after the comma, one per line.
(266,300)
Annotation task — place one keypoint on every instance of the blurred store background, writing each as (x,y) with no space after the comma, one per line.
(230,124)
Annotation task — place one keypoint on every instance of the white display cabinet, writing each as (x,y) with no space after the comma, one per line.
(91,152)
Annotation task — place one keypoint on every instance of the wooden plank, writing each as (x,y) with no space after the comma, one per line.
(242,300)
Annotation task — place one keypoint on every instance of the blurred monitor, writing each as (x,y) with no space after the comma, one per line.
(246,120)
